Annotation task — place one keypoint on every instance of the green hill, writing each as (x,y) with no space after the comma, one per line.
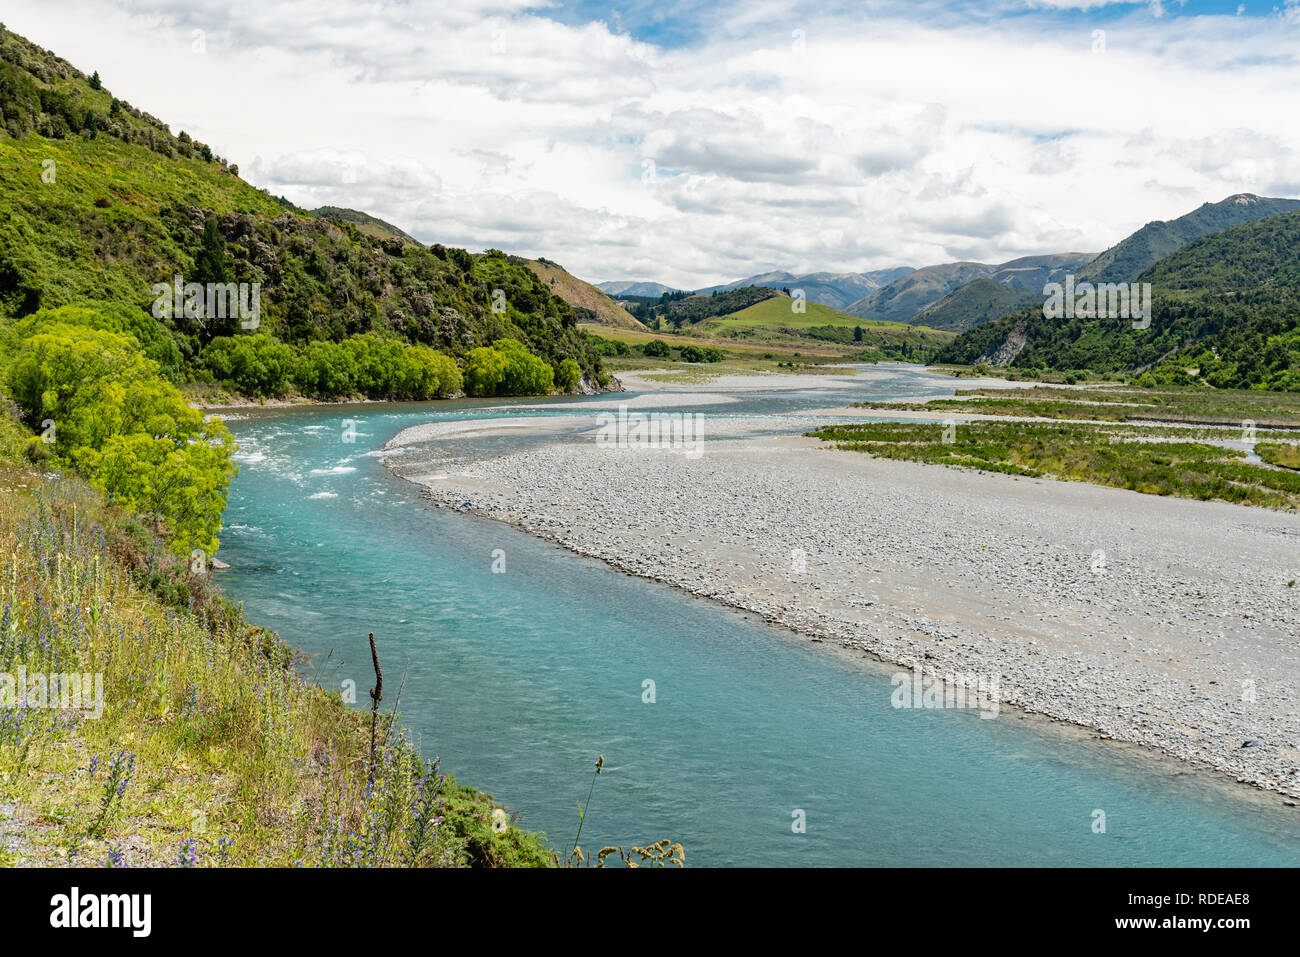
(99,203)
(589,303)
(909,294)
(774,319)
(1126,260)
(1261,254)
(975,303)
(372,226)
(1226,313)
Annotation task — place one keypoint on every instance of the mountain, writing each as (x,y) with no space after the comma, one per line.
(903,298)
(1031,273)
(1261,254)
(1226,313)
(759,317)
(623,287)
(101,202)
(370,225)
(906,297)
(1009,288)
(974,303)
(1124,261)
(836,290)
(589,303)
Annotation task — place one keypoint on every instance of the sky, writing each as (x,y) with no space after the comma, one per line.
(693,143)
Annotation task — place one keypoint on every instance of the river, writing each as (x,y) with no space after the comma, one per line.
(518,678)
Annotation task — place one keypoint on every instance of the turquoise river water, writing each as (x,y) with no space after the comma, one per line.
(518,680)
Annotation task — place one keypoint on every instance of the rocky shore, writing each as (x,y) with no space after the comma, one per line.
(1167,623)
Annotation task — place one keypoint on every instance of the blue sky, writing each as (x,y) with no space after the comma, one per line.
(693,143)
(683,23)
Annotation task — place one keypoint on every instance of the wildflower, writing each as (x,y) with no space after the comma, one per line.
(189,855)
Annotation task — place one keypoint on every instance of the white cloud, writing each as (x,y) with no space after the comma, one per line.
(780,137)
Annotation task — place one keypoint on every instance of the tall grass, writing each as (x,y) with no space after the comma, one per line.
(212,748)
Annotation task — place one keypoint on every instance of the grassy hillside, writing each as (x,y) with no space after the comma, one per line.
(589,303)
(371,226)
(1126,260)
(774,321)
(1226,313)
(905,297)
(211,750)
(99,203)
(975,303)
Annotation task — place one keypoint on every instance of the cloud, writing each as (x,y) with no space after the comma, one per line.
(696,142)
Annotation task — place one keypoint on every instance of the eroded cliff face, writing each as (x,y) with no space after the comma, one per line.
(589,386)
(1005,352)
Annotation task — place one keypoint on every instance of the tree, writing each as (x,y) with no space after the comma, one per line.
(126,428)
(568,375)
(212,265)
(258,366)
(95,82)
(857,333)
(485,370)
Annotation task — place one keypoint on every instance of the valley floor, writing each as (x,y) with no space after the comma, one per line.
(1164,622)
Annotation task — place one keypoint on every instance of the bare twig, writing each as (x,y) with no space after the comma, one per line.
(376,696)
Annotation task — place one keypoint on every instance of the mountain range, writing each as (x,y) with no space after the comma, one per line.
(1225,313)
(832,289)
(902,299)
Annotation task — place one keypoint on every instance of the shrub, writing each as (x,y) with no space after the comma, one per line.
(568,375)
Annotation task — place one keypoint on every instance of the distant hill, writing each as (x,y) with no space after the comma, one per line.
(1226,313)
(370,225)
(1124,261)
(836,290)
(589,303)
(974,303)
(905,297)
(776,317)
(623,287)
(1009,288)
(1031,273)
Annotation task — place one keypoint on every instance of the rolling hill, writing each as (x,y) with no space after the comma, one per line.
(1126,260)
(589,303)
(369,225)
(775,319)
(1226,313)
(905,297)
(836,290)
(974,303)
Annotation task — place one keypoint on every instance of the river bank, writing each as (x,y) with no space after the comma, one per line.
(1165,623)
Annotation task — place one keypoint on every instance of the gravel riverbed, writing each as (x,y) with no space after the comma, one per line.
(1162,622)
